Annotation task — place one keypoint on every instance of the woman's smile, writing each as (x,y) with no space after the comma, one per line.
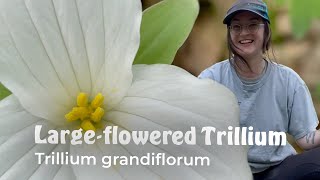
(247,34)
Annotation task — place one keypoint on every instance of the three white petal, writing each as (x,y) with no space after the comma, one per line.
(50,50)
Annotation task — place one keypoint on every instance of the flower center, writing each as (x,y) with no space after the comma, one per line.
(87,114)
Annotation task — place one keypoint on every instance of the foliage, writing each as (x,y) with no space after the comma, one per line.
(4,92)
(164,28)
(281,2)
(301,15)
(318,91)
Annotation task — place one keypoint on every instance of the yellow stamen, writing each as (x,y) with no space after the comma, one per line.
(97,115)
(82,100)
(81,112)
(87,125)
(71,117)
(97,101)
(89,114)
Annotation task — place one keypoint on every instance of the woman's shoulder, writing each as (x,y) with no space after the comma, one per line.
(286,73)
(225,64)
(215,69)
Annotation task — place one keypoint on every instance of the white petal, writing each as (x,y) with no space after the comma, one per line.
(9,104)
(95,170)
(65,173)
(54,170)
(157,171)
(20,161)
(164,97)
(13,117)
(126,171)
(122,20)
(133,122)
(26,66)
(17,147)
(52,50)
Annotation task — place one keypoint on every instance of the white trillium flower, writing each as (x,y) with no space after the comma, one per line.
(53,51)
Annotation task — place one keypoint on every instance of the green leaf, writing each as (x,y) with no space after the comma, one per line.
(300,19)
(280,2)
(318,91)
(164,28)
(301,14)
(4,92)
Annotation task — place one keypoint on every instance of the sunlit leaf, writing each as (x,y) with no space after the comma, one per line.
(318,91)
(4,92)
(301,14)
(280,2)
(165,26)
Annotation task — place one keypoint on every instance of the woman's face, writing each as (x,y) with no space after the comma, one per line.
(247,34)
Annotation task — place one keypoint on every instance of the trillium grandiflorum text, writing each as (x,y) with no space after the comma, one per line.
(68,64)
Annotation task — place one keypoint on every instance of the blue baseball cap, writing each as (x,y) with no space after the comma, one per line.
(256,6)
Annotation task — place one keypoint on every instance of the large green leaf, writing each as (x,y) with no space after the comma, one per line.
(164,28)
(4,92)
(302,13)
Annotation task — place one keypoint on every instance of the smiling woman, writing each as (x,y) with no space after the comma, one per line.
(271,96)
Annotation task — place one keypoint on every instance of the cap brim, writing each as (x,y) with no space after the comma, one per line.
(229,17)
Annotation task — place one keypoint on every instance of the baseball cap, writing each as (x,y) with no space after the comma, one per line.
(256,6)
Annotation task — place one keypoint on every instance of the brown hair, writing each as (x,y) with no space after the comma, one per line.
(265,47)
